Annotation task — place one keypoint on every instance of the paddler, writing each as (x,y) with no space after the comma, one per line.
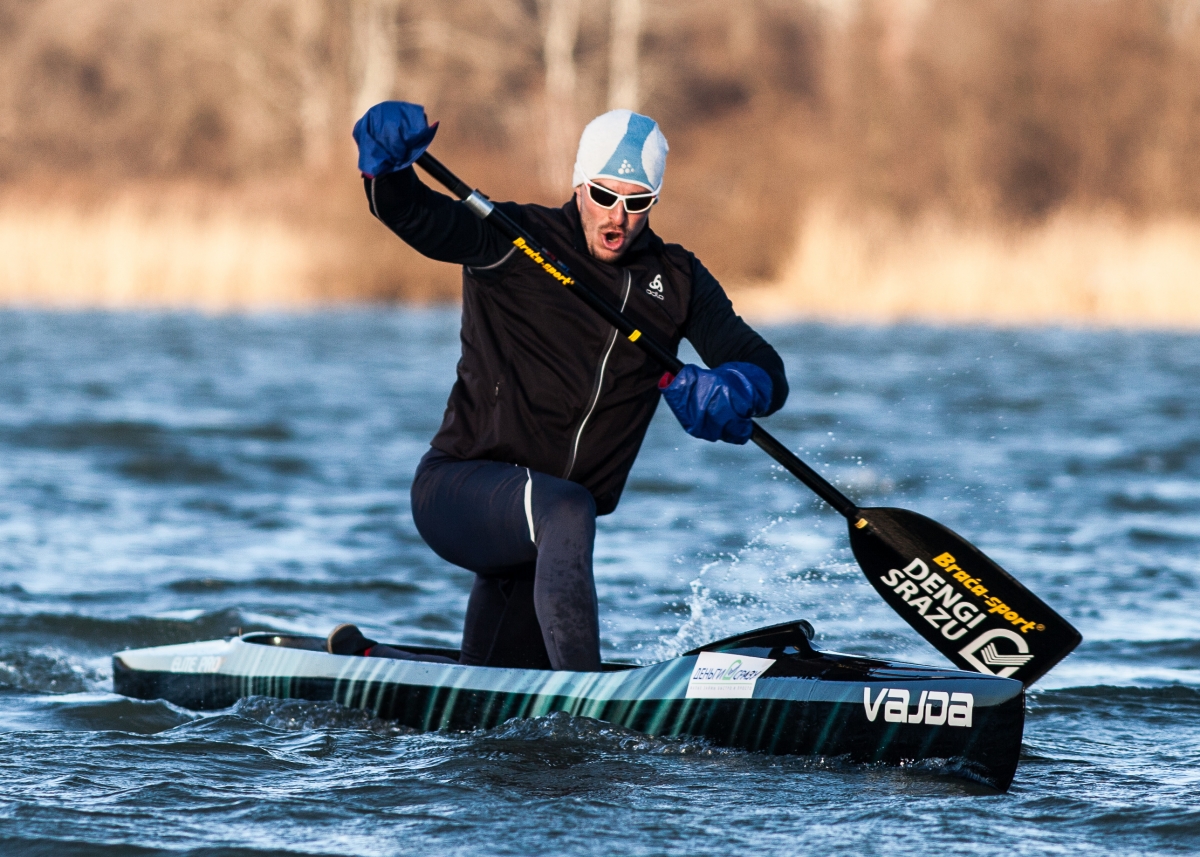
(550,406)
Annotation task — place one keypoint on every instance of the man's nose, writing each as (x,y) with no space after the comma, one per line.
(619,214)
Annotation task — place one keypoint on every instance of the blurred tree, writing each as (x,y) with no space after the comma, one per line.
(560,28)
(625,31)
(376,40)
(313,69)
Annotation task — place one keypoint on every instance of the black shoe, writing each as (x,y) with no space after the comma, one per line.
(346,639)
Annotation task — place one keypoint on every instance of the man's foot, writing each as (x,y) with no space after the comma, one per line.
(346,639)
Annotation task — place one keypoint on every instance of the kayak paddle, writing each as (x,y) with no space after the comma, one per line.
(964,604)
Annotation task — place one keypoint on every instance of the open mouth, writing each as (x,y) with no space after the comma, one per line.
(613,239)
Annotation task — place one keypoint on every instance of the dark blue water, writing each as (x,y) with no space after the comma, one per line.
(166,478)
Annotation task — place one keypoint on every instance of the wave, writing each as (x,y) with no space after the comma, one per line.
(1175,693)
(562,731)
(280,584)
(45,845)
(1180,652)
(297,715)
(560,739)
(91,711)
(130,434)
(41,672)
(1168,704)
(156,453)
(71,630)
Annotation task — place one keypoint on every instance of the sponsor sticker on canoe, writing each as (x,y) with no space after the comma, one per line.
(721,675)
(196,664)
(934,708)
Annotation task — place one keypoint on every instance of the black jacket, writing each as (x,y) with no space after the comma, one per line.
(542,381)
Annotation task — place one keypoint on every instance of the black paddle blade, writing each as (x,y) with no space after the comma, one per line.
(967,607)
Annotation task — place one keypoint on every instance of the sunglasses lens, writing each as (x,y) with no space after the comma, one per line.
(601,197)
(638,204)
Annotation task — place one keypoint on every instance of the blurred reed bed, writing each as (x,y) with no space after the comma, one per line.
(1038,158)
(194,246)
(1079,267)
(123,254)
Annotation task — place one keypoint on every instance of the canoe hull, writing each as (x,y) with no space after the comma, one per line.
(807,703)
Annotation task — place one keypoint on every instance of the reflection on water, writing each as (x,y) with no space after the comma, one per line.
(165,478)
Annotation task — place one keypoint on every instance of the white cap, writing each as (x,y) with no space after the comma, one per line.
(624,146)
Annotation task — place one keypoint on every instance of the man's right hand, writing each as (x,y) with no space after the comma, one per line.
(391,136)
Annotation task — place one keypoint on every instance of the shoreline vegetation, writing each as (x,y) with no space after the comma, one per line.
(255,247)
(950,161)
(1077,268)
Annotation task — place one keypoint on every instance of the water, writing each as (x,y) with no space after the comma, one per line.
(166,478)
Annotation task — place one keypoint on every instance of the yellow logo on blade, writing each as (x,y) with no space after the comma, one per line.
(993,604)
(548,267)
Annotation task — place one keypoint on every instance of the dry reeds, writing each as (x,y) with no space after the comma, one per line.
(1077,267)
(125,255)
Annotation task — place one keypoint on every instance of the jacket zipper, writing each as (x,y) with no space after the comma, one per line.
(612,340)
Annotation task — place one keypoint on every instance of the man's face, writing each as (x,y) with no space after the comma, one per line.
(610,231)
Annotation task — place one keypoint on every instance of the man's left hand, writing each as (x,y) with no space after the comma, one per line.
(717,404)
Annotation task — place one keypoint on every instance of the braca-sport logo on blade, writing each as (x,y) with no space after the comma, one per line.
(968,607)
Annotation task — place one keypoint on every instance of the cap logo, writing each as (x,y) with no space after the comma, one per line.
(626,161)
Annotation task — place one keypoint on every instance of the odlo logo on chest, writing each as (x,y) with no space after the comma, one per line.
(655,289)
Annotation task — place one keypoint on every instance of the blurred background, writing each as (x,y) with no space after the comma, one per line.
(1011,161)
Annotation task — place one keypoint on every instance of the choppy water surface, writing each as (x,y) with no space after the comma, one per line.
(166,478)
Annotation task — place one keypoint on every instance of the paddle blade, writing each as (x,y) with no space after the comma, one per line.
(967,607)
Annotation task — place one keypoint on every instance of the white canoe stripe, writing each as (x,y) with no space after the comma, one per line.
(529,504)
(668,680)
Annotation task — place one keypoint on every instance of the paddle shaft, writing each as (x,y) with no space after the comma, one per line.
(486,211)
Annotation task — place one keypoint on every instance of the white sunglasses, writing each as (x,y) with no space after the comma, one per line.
(635,203)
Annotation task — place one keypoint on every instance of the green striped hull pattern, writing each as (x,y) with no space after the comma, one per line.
(808,703)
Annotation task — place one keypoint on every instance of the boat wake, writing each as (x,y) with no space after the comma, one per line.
(297,715)
(560,731)
(46,671)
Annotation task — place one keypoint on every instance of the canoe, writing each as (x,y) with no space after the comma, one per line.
(768,691)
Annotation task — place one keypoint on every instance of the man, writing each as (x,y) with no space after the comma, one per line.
(550,406)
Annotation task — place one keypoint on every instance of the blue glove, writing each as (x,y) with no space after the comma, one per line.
(391,136)
(717,404)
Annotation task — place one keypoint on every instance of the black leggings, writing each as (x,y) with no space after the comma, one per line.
(528,537)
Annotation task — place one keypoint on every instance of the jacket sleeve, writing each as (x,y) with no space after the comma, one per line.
(431,223)
(721,336)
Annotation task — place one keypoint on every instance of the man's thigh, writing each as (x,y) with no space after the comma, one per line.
(473,514)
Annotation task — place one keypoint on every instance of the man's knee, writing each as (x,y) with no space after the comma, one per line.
(564,506)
